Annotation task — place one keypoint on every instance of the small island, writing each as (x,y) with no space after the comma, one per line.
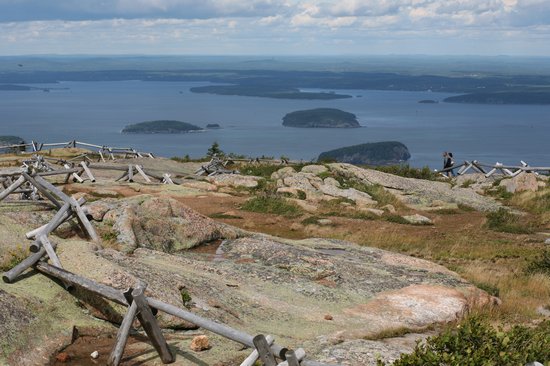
(535,97)
(376,153)
(428,101)
(213,126)
(161,126)
(321,118)
(266,91)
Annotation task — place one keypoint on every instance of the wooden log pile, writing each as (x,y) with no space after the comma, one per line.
(216,166)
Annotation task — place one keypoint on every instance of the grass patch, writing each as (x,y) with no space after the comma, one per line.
(487,287)
(505,221)
(221,215)
(392,333)
(272,204)
(259,170)
(396,219)
(13,258)
(467,183)
(406,171)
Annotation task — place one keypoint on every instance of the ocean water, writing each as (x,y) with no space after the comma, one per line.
(96,112)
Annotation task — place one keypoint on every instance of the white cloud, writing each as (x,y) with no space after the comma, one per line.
(162,26)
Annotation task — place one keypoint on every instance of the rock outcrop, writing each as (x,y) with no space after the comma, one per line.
(418,193)
(162,224)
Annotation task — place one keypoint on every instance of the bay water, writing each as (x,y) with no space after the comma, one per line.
(96,112)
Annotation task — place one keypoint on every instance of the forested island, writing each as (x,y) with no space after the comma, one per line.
(9,141)
(376,153)
(321,118)
(161,126)
(266,91)
(519,97)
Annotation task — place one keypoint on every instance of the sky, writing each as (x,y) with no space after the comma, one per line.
(275,27)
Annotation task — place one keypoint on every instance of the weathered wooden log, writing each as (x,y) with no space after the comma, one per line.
(88,171)
(123,176)
(74,205)
(22,266)
(117,296)
(130,173)
(43,239)
(105,291)
(12,188)
(43,189)
(151,327)
(264,350)
(293,358)
(75,175)
(253,357)
(123,332)
(67,215)
(142,173)
(59,217)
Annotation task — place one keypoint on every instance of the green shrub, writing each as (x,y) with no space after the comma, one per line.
(273,205)
(475,342)
(541,264)
(185,297)
(487,287)
(505,221)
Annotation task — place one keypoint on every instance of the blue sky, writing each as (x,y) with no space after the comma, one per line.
(275,27)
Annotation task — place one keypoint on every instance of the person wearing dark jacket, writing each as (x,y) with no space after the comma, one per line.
(448,162)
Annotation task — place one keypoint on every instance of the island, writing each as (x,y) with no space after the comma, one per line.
(321,118)
(376,153)
(540,97)
(266,91)
(10,141)
(213,126)
(428,101)
(11,87)
(161,126)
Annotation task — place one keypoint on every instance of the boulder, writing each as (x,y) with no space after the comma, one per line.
(520,183)
(283,173)
(417,193)
(159,223)
(417,219)
(314,169)
(200,343)
(547,241)
(234,180)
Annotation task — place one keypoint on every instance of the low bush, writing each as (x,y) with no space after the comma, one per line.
(273,205)
(541,264)
(475,342)
(505,221)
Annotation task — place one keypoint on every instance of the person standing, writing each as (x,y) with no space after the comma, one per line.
(448,162)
